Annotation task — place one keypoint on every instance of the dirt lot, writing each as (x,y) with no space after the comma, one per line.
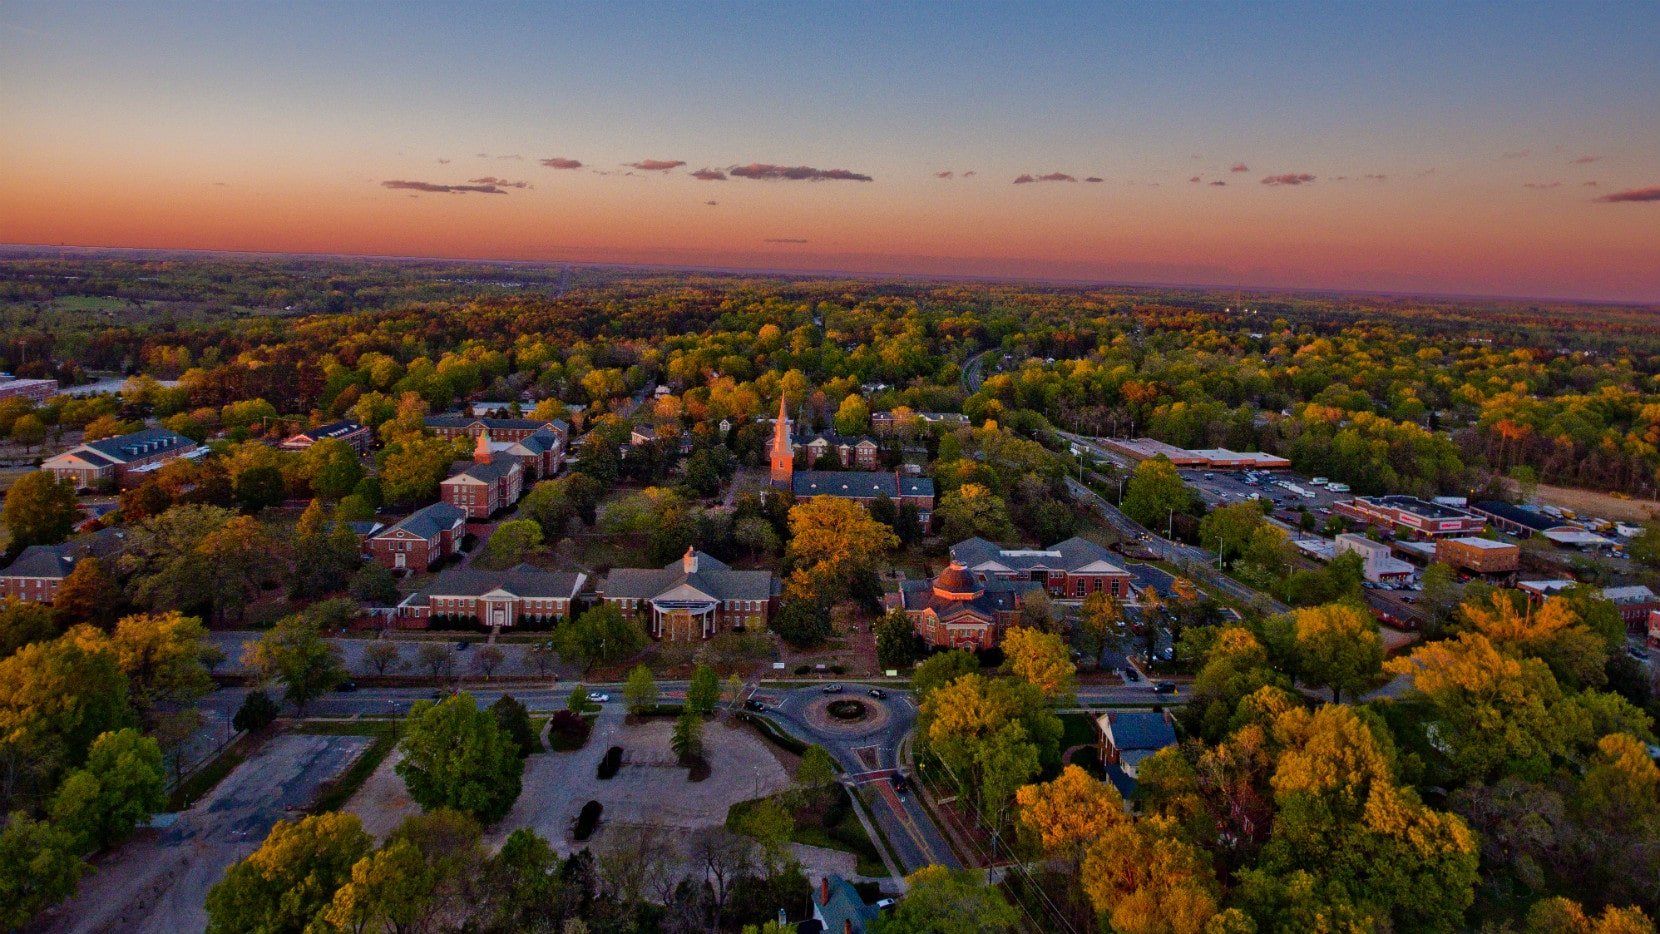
(157,882)
(1602,505)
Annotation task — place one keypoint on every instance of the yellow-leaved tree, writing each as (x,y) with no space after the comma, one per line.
(1041,659)
(1063,816)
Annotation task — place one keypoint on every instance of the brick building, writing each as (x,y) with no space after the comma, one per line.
(1411,516)
(865,486)
(490,481)
(1074,568)
(421,540)
(358,436)
(38,572)
(494,598)
(695,597)
(957,610)
(113,462)
(1478,555)
(35,390)
(451,427)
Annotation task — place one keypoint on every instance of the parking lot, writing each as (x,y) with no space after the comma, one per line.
(1223,487)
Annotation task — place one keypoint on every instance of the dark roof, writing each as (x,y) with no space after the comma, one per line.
(364,529)
(521,581)
(956,579)
(1139,730)
(1526,518)
(993,597)
(916,486)
(1070,555)
(712,577)
(48,561)
(538,442)
(845,905)
(487,473)
(511,424)
(127,447)
(1418,507)
(333,430)
(858,484)
(429,522)
(1146,576)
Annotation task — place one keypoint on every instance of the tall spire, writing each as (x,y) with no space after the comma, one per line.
(783,449)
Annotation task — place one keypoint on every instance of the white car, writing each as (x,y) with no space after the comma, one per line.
(599,698)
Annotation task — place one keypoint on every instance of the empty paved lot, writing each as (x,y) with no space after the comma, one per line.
(157,882)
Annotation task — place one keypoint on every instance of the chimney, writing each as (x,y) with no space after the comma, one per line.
(689,562)
(481,454)
(847,926)
(824,891)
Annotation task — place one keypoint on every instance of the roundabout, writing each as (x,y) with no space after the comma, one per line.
(846,717)
(847,711)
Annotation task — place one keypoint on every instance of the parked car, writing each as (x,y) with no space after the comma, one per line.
(346,687)
(1131,675)
(600,698)
(882,904)
(1637,653)
(1164,687)
(832,689)
(901,784)
(877,693)
(463,645)
(753,704)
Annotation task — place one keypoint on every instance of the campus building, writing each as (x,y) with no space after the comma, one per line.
(693,598)
(958,610)
(490,481)
(519,595)
(117,461)
(40,570)
(1074,568)
(1478,555)
(451,427)
(1378,565)
(358,436)
(35,390)
(421,540)
(865,486)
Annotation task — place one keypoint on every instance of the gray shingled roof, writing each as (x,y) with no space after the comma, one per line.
(127,447)
(333,430)
(1526,518)
(488,473)
(1070,555)
(996,596)
(428,522)
(48,561)
(521,581)
(712,577)
(492,424)
(1137,730)
(857,484)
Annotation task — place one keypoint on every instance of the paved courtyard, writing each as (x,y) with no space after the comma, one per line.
(157,882)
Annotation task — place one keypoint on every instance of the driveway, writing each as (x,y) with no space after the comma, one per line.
(157,882)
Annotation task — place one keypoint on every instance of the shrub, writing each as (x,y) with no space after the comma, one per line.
(588,820)
(567,731)
(803,669)
(257,712)
(609,765)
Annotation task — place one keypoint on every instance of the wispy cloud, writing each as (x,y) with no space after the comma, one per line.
(1586,160)
(945,174)
(711,203)
(656,165)
(1239,167)
(558,163)
(1290,178)
(784,240)
(1376,178)
(970,174)
(1051,177)
(499,182)
(515,157)
(443,162)
(1518,154)
(1095,179)
(1218,184)
(1195,179)
(798,173)
(483,189)
(1588,184)
(709,175)
(1541,186)
(1632,195)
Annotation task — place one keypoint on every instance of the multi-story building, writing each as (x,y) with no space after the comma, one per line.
(35,390)
(693,598)
(887,423)
(40,570)
(958,610)
(1377,564)
(115,462)
(514,597)
(865,486)
(1478,555)
(451,427)
(1635,603)
(1074,568)
(421,540)
(1411,516)
(540,453)
(861,453)
(358,436)
(490,481)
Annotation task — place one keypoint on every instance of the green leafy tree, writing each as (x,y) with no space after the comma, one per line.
(942,669)
(22,623)
(56,699)
(412,466)
(120,786)
(291,878)
(853,416)
(640,692)
(686,742)
(579,702)
(703,693)
(1155,492)
(374,584)
(1338,646)
(815,772)
(802,622)
(257,712)
(1645,548)
(295,652)
(39,510)
(514,720)
(944,901)
(332,467)
(896,640)
(512,541)
(38,867)
(973,510)
(456,756)
(600,635)
(259,488)
(28,431)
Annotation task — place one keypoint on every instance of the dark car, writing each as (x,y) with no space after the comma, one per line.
(753,704)
(1164,687)
(463,645)
(877,693)
(346,687)
(901,784)
(832,689)
(1131,676)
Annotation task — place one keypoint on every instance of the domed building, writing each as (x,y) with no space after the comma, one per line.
(958,611)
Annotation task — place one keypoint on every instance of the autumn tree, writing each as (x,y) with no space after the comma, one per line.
(56,699)
(291,878)
(166,657)
(90,594)
(945,901)
(1142,879)
(454,755)
(1552,632)
(1563,916)
(23,622)
(973,511)
(1042,660)
(1338,646)
(332,467)
(837,535)
(39,510)
(120,786)
(1065,816)
(1156,491)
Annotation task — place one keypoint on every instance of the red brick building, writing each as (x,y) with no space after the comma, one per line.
(421,540)
(117,462)
(1073,569)
(451,427)
(956,610)
(358,436)
(508,598)
(491,481)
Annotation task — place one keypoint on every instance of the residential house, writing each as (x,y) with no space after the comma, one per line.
(1128,737)
(117,462)
(514,597)
(1074,568)
(839,909)
(420,540)
(358,436)
(958,610)
(490,481)
(694,597)
(861,453)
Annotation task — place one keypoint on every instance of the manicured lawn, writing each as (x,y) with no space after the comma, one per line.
(828,822)
(1080,729)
